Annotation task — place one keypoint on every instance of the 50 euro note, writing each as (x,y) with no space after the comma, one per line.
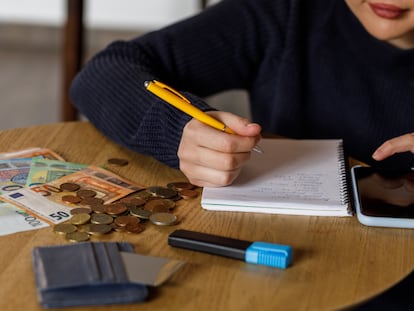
(13,176)
(45,201)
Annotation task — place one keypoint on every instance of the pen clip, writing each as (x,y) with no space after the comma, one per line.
(170,89)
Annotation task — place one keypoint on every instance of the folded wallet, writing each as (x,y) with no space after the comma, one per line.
(89,273)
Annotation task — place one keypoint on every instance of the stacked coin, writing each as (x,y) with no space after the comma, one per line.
(92,217)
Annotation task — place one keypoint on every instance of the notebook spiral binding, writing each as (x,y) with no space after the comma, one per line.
(343,180)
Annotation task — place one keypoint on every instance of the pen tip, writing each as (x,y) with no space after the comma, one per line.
(146,83)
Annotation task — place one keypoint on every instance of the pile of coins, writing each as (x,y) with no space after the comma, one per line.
(92,217)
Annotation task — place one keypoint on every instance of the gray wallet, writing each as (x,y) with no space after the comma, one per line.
(89,273)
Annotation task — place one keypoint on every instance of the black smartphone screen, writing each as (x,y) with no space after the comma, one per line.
(385,193)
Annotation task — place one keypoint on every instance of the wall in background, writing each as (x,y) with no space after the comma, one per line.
(118,14)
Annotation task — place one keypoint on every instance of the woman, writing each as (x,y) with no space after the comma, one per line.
(313,69)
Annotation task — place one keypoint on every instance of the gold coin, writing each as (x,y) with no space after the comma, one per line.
(64,229)
(77,236)
(80,210)
(102,219)
(80,219)
(163,219)
(99,229)
(68,186)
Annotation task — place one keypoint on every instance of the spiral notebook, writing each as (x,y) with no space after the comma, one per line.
(296,177)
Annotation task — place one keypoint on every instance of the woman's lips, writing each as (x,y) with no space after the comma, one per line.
(388,11)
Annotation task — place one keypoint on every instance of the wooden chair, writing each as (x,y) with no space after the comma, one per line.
(72,54)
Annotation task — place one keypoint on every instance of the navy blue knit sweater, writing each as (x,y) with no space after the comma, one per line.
(310,68)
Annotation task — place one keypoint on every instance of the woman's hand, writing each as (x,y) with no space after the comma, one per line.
(209,157)
(398,144)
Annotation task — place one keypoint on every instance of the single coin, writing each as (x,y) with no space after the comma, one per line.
(133,201)
(68,186)
(188,194)
(117,228)
(115,208)
(134,228)
(64,229)
(102,219)
(98,208)
(99,229)
(118,161)
(72,199)
(89,201)
(86,193)
(80,210)
(160,205)
(80,219)
(122,221)
(140,213)
(77,236)
(144,195)
(162,192)
(180,185)
(163,219)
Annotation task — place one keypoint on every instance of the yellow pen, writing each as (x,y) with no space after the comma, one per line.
(174,98)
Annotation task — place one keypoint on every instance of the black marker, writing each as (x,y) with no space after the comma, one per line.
(261,253)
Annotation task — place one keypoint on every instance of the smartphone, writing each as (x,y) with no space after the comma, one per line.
(382,197)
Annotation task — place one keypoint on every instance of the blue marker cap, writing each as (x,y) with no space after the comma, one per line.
(269,254)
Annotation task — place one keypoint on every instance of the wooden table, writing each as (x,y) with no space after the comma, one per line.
(337,261)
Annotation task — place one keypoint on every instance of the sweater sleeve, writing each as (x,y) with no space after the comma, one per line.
(216,50)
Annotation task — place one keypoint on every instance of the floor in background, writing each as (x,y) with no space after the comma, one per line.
(30,74)
(31,71)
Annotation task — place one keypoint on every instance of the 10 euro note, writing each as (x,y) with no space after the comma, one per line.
(45,201)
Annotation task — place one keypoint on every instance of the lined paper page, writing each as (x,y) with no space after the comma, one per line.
(291,177)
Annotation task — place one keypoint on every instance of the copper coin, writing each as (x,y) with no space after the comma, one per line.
(98,208)
(80,210)
(118,161)
(68,186)
(89,201)
(134,228)
(188,194)
(73,199)
(122,221)
(86,193)
(158,203)
(137,201)
(180,185)
(115,208)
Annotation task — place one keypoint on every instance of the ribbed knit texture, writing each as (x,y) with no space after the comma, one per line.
(311,69)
